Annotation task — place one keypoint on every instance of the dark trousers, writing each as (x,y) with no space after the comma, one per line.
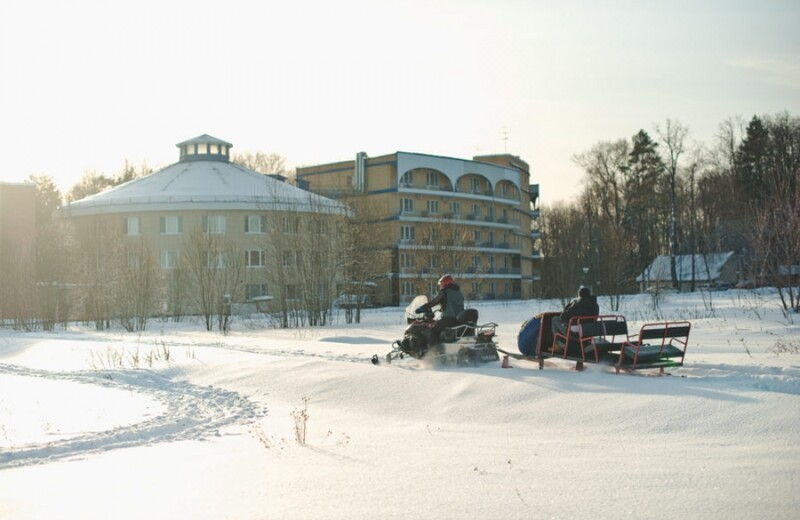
(440,326)
(558,326)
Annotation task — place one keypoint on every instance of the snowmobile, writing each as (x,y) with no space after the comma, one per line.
(465,344)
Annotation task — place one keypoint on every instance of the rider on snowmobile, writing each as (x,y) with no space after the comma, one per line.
(451,301)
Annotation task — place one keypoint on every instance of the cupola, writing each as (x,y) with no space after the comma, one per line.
(205,148)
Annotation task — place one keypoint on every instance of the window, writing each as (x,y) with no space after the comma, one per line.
(433,207)
(476,288)
(132,226)
(476,235)
(255,290)
(476,210)
(406,260)
(169,259)
(475,185)
(476,262)
(215,259)
(255,258)
(134,261)
(434,262)
(408,289)
(406,205)
(490,212)
(290,224)
(214,224)
(255,223)
(433,179)
(289,258)
(491,265)
(407,233)
(455,208)
(171,225)
(435,235)
(491,237)
(407,179)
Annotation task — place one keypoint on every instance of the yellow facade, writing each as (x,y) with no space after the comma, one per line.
(475,219)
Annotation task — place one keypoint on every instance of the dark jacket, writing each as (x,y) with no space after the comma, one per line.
(450,299)
(586,306)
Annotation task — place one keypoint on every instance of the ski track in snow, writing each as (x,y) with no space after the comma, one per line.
(191,413)
(281,352)
(194,413)
(768,379)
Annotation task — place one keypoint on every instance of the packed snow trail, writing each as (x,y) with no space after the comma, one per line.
(187,412)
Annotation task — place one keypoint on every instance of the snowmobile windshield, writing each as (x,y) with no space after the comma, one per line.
(416,303)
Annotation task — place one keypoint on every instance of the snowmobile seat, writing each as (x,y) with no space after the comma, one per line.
(467,320)
(467,323)
(468,317)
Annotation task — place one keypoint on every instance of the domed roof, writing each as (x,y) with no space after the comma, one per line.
(203,179)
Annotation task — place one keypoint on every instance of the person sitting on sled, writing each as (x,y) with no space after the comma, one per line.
(451,301)
(585,305)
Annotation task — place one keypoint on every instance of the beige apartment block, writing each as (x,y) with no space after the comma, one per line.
(206,206)
(475,219)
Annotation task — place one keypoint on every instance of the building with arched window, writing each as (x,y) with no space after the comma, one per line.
(476,219)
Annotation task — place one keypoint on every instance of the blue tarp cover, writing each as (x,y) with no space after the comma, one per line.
(528,337)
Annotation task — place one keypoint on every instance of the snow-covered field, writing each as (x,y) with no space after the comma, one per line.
(182,423)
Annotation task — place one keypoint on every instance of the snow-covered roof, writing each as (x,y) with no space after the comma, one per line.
(204,139)
(196,184)
(659,270)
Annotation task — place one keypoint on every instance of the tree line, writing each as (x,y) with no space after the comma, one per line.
(642,197)
(663,194)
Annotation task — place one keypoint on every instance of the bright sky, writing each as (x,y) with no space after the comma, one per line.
(87,84)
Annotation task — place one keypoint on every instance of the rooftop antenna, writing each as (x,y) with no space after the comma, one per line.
(504,132)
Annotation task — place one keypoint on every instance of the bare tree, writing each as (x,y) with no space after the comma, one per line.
(214,266)
(92,182)
(775,238)
(673,136)
(137,286)
(693,170)
(319,262)
(364,260)
(606,252)
(100,253)
(266,163)
(561,232)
